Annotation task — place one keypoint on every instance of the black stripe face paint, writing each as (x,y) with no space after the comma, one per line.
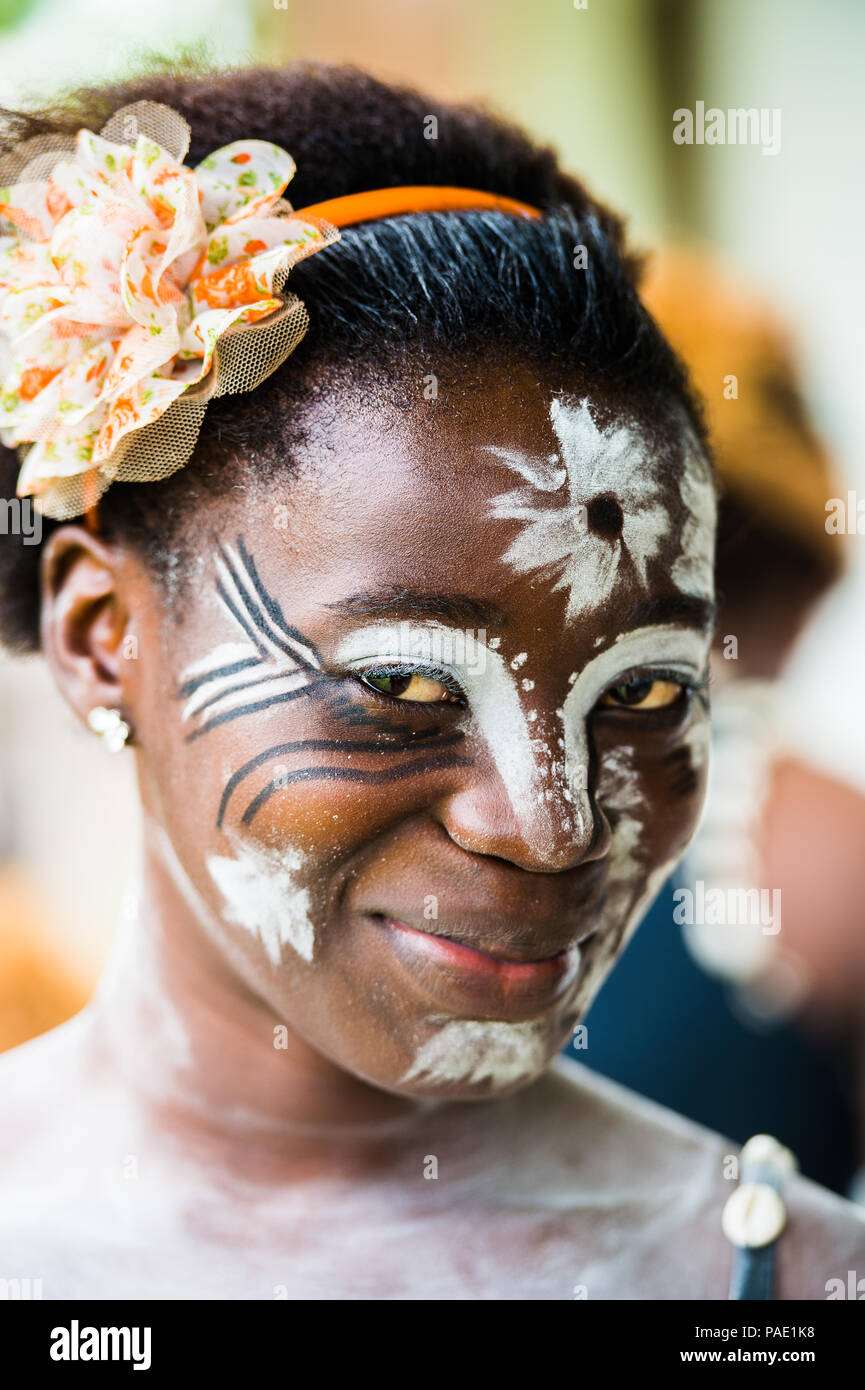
(278,665)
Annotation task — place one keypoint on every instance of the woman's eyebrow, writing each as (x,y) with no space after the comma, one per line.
(395,603)
(683,608)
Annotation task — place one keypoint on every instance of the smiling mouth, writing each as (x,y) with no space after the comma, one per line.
(508,965)
(475,982)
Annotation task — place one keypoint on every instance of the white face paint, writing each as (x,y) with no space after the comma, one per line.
(260,892)
(630,888)
(475,1050)
(631,885)
(693,570)
(555,538)
(620,780)
(547,786)
(679,651)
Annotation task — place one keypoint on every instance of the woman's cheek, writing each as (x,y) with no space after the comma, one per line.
(325,816)
(274,878)
(651,792)
(657,781)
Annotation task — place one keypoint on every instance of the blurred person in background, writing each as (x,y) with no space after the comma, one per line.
(756,1019)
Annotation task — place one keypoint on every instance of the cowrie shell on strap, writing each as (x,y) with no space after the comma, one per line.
(764,1151)
(753,1216)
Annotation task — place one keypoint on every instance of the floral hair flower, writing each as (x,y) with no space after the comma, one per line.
(133,289)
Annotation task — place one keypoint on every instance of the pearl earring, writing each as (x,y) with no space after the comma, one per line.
(110,726)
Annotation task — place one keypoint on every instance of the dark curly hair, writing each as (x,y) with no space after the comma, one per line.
(465,282)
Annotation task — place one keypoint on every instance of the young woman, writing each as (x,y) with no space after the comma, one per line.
(411,656)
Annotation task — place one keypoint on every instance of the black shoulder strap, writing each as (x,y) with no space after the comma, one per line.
(754,1216)
(753,1273)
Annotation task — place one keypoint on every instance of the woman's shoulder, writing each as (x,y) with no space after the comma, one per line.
(654,1137)
(822,1250)
(651,1154)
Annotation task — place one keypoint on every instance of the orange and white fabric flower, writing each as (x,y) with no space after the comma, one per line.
(121,272)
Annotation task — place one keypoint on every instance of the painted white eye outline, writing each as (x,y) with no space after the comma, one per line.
(689,685)
(686,681)
(466,680)
(439,674)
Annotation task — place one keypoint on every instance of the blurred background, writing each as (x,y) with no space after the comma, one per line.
(761,277)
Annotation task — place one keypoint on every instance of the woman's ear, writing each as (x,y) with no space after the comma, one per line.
(84,618)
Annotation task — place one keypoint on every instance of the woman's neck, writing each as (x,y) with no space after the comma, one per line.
(197,1049)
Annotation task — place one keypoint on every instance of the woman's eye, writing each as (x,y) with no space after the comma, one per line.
(645,694)
(412,686)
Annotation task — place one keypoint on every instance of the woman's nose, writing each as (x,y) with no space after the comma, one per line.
(549,830)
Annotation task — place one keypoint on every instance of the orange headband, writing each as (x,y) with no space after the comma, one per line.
(391,202)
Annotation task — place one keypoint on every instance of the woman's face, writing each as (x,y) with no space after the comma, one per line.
(429,727)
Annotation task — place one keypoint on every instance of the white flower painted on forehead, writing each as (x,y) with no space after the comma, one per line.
(614,465)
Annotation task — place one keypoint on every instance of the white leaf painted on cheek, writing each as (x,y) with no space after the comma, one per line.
(260,892)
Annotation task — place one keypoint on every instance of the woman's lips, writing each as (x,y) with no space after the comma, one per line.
(475,958)
(488,985)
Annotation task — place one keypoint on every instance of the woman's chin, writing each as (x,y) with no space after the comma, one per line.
(477,1059)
